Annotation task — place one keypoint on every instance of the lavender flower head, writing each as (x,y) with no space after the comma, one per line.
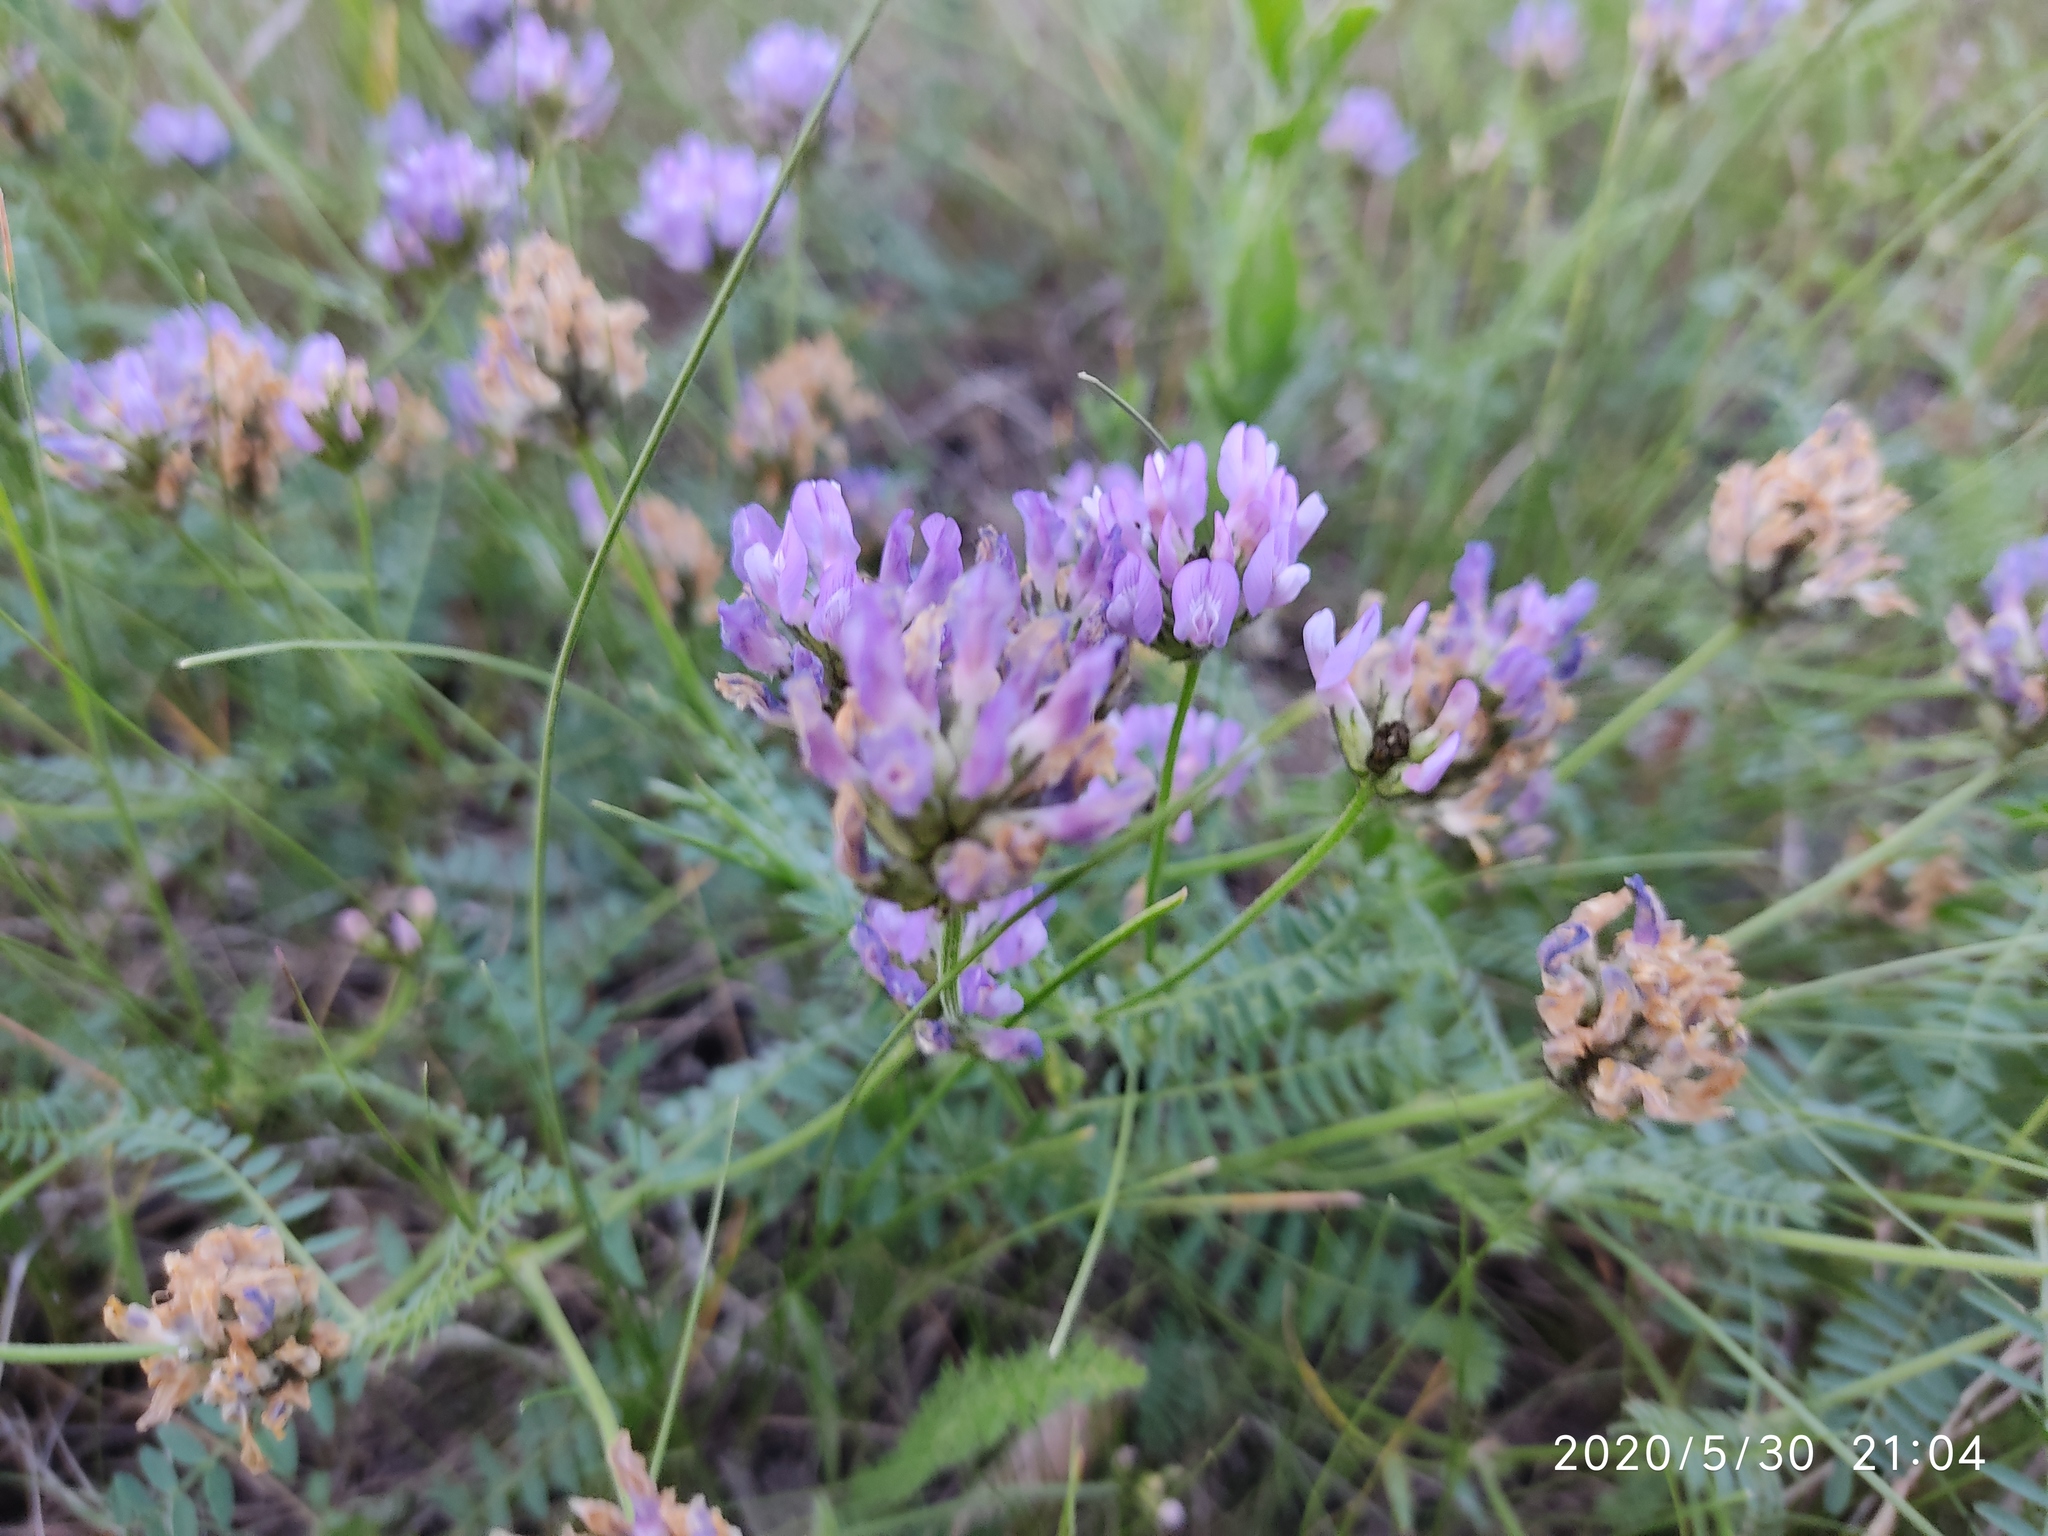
(443,197)
(648,1510)
(1149,557)
(2006,659)
(1690,43)
(1542,34)
(1459,708)
(960,729)
(699,200)
(1206,741)
(195,135)
(472,24)
(1366,129)
(201,384)
(331,409)
(785,69)
(901,951)
(124,18)
(565,85)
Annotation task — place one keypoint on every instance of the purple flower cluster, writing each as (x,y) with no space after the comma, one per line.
(901,951)
(1148,556)
(331,408)
(1460,707)
(1542,34)
(125,18)
(1366,129)
(1695,41)
(472,24)
(443,196)
(204,385)
(785,69)
(195,135)
(1206,741)
(698,200)
(961,730)
(2006,659)
(564,84)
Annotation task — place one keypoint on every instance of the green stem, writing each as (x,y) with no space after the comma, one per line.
(1880,853)
(1297,872)
(580,613)
(366,544)
(526,1274)
(950,967)
(1238,858)
(1619,727)
(1097,950)
(685,1345)
(1191,670)
(80,1354)
(1587,261)
(1130,410)
(1093,1251)
(1888,970)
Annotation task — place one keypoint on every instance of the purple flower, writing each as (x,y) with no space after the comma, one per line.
(1469,699)
(699,200)
(2005,659)
(982,994)
(1542,34)
(406,127)
(1011,1044)
(901,983)
(1023,941)
(784,69)
(566,87)
(1696,41)
(443,196)
(469,23)
(742,629)
(1207,740)
(1205,598)
(1367,130)
(1176,491)
(331,408)
(195,135)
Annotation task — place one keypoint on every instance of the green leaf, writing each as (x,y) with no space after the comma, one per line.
(217,1487)
(1276,23)
(184,1516)
(971,1410)
(184,1447)
(1262,309)
(1324,54)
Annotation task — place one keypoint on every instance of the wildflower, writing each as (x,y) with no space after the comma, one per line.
(699,200)
(1690,43)
(649,1511)
(556,352)
(2006,659)
(1367,129)
(1542,34)
(470,24)
(961,730)
(1905,901)
(1814,516)
(1136,551)
(443,196)
(124,18)
(30,116)
(1206,741)
(331,409)
(679,550)
(244,1330)
(899,949)
(784,69)
(200,384)
(567,86)
(1655,1024)
(1459,708)
(793,410)
(195,135)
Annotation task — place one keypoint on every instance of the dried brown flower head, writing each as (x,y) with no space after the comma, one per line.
(244,1330)
(243,429)
(651,1511)
(1906,901)
(557,352)
(1812,521)
(794,411)
(1655,1024)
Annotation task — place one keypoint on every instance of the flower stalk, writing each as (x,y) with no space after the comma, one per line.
(1191,670)
(1617,729)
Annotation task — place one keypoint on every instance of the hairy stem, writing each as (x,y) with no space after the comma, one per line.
(1618,728)
(1191,670)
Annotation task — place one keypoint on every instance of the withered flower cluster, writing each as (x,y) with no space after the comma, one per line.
(244,1331)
